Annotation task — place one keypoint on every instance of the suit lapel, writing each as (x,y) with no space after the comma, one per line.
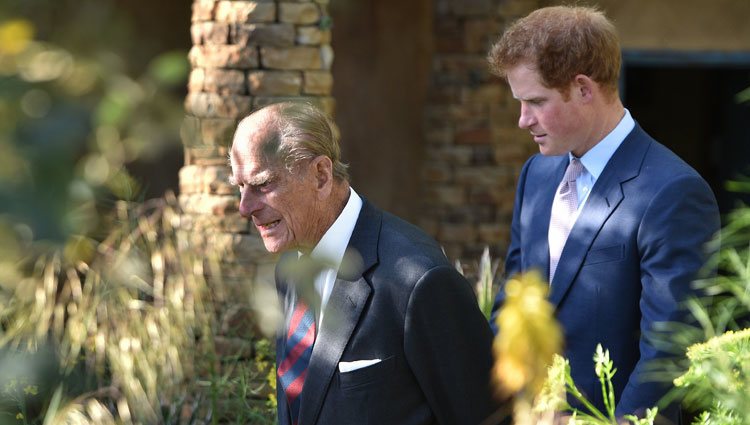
(539,216)
(343,311)
(605,197)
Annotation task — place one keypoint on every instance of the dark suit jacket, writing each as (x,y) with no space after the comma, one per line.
(627,264)
(408,306)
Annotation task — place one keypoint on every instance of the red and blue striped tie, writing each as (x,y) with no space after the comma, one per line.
(299,345)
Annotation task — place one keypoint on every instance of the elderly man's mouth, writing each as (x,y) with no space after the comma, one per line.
(269,226)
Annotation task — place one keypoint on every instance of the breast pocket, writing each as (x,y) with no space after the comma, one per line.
(605,255)
(367,375)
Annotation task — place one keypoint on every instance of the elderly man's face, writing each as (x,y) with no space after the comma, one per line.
(283,205)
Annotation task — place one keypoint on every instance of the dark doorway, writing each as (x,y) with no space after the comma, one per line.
(692,108)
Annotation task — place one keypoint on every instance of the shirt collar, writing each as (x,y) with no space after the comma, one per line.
(332,245)
(597,157)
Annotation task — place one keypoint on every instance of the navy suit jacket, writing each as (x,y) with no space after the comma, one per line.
(408,306)
(628,262)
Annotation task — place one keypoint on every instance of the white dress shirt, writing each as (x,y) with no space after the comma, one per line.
(331,249)
(597,157)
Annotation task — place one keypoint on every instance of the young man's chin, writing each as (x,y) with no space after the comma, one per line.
(549,151)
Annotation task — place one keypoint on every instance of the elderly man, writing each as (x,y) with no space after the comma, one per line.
(398,339)
(615,220)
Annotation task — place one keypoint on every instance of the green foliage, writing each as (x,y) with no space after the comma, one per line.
(70,122)
(716,377)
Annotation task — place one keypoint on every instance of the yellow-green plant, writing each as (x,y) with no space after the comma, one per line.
(486,284)
(485,287)
(528,339)
(552,398)
(720,369)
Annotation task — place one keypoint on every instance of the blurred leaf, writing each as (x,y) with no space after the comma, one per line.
(743,96)
(170,68)
(741,186)
(113,109)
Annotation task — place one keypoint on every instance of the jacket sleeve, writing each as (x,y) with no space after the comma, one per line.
(672,239)
(448,344)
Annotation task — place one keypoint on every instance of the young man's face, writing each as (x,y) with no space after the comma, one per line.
(557,124)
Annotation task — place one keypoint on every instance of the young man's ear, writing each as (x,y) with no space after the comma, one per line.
(584,87)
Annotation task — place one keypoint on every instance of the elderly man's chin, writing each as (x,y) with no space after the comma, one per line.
(275,244)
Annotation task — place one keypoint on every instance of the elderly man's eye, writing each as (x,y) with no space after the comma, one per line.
(262,187)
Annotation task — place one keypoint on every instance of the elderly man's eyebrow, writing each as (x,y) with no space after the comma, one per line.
(257,179)
(260,178)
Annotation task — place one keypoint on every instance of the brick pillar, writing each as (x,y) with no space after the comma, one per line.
(245,55)
(474,149)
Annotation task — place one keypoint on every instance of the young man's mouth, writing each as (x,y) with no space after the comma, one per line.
(538,137)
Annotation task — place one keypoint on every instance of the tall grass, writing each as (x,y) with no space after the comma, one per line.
(130,322)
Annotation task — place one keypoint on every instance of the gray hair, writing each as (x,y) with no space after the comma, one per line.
(298,131)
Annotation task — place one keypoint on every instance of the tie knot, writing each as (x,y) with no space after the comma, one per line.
(574,170)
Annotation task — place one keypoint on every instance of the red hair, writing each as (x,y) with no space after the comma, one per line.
(561,42)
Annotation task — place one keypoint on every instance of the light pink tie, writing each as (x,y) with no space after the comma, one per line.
(564,209)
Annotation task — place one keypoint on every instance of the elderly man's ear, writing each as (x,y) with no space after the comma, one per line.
(322,169)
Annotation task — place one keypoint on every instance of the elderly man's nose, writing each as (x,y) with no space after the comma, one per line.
(249,203)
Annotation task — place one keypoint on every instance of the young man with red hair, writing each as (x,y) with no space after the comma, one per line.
(615,220)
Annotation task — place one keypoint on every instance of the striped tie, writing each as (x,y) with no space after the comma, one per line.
(298,350)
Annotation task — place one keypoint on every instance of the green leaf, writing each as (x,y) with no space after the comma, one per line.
(743,96)
(169,68)
(54,405)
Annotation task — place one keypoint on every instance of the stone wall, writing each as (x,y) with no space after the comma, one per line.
(474,149)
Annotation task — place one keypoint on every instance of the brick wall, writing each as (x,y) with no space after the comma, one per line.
(474,149)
